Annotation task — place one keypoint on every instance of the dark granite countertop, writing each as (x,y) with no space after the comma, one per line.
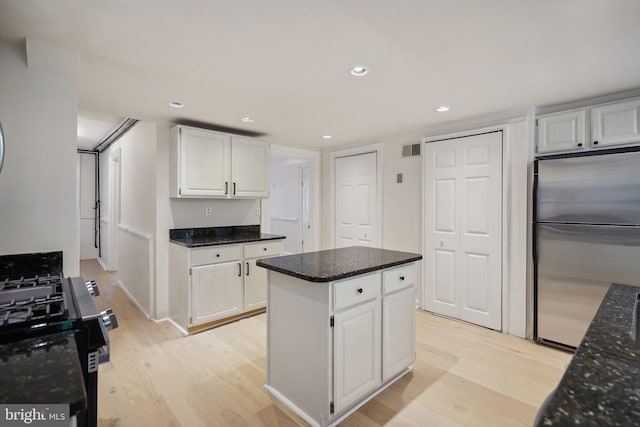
(601,386)
(212,236)
(336,264)
(43,370)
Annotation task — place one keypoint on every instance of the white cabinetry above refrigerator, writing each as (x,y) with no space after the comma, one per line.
(598,126)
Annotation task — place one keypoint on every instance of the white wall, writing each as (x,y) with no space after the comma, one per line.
(402,203)
(38,184)
(137,228)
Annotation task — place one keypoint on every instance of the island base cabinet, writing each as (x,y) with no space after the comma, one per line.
(398,332)
(357,351)
(333,346)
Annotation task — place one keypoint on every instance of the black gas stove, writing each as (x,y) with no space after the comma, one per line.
(40,308)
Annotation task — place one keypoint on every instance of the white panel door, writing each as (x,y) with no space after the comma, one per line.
(463,228)
(356,200)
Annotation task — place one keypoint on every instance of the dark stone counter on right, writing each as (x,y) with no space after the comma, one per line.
(601,386)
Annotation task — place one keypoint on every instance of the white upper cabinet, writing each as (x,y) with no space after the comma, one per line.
(249,168)
(590,128)
(616,123)
(200,163)
(211,164)
(561,132)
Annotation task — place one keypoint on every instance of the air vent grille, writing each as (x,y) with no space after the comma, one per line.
(410,150)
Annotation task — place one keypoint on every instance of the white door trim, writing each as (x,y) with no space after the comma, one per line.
(333,155)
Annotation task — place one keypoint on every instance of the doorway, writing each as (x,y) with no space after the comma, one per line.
(463,228)
(293,208)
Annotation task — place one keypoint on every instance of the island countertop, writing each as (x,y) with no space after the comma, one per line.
(335,264)
(600,385)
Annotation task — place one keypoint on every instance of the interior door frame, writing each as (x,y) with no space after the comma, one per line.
(355,151)
(517,152)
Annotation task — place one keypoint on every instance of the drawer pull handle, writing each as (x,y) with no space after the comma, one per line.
(359,290)
(264,249)
(217,255)
(401,277)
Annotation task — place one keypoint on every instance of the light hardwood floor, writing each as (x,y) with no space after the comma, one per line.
(464,375)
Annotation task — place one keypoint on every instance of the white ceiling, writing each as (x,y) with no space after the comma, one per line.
(286,63)
(94,127)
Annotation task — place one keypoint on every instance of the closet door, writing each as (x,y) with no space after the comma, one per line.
(463,228)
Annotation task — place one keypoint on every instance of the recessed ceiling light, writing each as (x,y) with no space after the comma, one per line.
(327,136)
(359,71)
(442,109)
(247,119)
(176,104)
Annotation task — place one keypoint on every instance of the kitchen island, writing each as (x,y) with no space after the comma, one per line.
(340,328)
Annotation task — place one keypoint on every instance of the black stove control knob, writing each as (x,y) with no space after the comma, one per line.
(109,319)
(92,287)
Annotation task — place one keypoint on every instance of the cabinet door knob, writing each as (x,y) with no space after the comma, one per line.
(264,249)
(217,255)
(595,142)
(359,290)
(401,277)
(579,144)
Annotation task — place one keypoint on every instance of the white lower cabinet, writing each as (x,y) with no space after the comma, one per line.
(255,285)
(357,353)
(216,291)
(333,346)
(398,332)
(208,285)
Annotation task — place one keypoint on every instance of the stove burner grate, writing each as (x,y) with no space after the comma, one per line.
(32,300)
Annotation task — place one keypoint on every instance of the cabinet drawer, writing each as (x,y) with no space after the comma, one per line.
(399,278)
(263,249)
(355,291)
(215,254)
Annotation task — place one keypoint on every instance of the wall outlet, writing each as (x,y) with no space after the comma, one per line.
(208,210)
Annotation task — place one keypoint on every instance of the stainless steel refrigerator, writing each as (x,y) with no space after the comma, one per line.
(587,236)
